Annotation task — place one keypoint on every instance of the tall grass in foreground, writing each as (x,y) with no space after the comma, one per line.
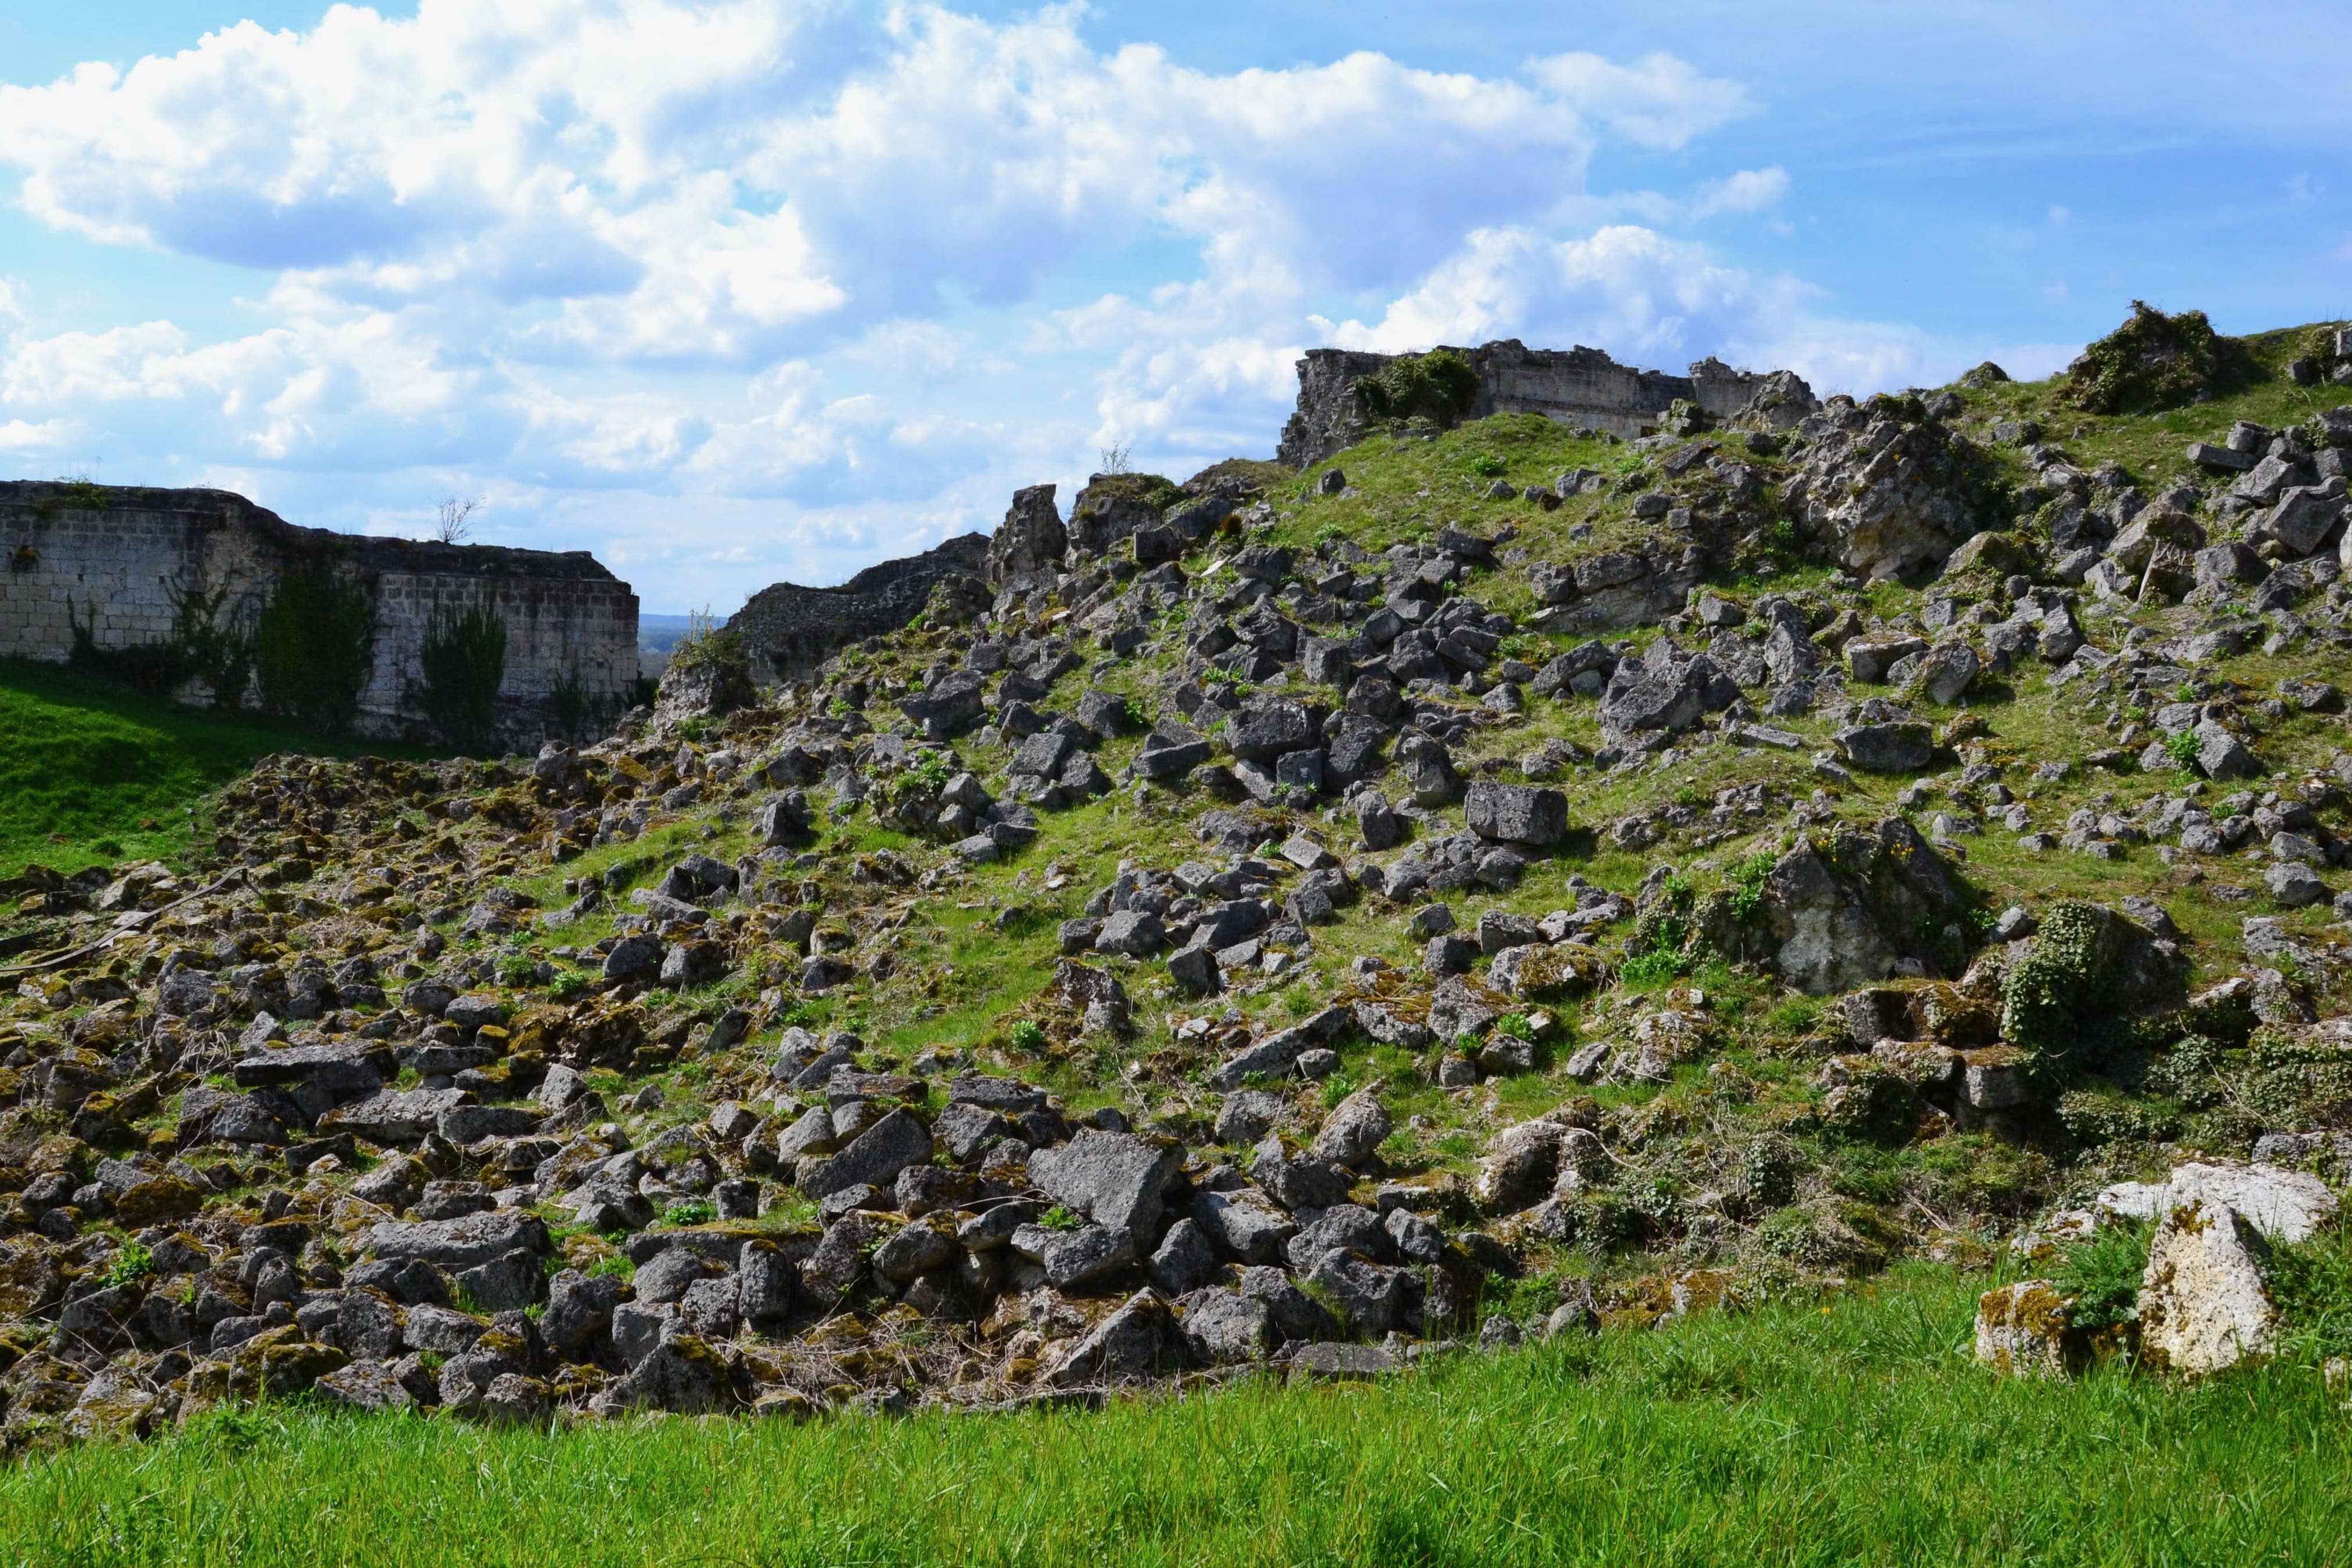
(1859,1434)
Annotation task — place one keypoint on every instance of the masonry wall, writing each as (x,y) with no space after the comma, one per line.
(1577,386)
(115,560)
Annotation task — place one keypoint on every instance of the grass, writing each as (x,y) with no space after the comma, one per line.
(92,774)
(1857,1432)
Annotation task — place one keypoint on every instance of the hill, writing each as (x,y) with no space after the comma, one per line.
(92,775)
(1505,883)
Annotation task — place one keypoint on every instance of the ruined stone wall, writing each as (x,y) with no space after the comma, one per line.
(116,560)
(790,630)
(1577,386)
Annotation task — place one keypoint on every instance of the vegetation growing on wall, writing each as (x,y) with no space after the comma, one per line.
(1439,386)
(313,646)
(2154,362)
(208,641)
(567,703)
(464,659)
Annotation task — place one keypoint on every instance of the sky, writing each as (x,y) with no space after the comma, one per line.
(735,291)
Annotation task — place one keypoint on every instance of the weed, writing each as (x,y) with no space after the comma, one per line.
(131,1263)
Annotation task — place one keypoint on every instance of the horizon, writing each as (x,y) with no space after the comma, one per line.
(766,290)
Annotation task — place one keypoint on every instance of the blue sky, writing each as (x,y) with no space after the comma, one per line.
(735,290)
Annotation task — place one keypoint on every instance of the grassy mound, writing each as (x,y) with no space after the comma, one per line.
(91,773)
(1857,1432)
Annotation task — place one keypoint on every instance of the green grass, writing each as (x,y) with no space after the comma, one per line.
(1858,1433)
(92,774)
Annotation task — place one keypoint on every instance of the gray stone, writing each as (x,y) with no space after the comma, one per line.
(1223,1327)
(1516,814)
(1353,1132)
(1134,932)
(1185,1262)
(1194,972)
(455,1244)
(2204,1305)
(1116,1179)
(1244,1225)
(875,1157)
(1249,1114)
(1890,748)
(1141,1338)
(2294,885)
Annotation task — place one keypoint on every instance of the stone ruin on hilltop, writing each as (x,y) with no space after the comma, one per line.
(1578,387)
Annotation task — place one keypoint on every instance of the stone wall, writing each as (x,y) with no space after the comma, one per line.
(116,560)
(1577,386)
(790,630)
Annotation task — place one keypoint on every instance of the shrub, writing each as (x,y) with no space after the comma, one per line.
(1769,1169)
(1062,1219)
(151,669)
(2057,1003)
(2100,1276)
(1028,1035)
(463,661)
(314,646)
(1745,893)
(691,1211)
(1155,490)
(707,642)
(567,703)
(1439,385)
(2311,1281)
(2154,362)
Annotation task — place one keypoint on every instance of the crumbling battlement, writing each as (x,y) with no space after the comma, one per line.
(790,630)
(1577,386)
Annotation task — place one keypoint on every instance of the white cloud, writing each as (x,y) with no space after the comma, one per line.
(1747,191)
(1658,101)
(1630,290)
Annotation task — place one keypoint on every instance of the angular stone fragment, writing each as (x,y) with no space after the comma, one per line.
(2021,1329)
(1516,814)
(2204,1305)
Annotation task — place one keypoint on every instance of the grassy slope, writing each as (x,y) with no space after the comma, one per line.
(91,772)
(1858,1433)
(1405,488)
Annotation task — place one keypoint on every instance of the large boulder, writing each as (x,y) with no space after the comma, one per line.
(2286,1206)
(2204,1305)
(1518,813)
(1117,1179)
(1843,911)
(1140,1338)
(2021,1329)
(2087,970)
(1664,690)
(1891,492)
